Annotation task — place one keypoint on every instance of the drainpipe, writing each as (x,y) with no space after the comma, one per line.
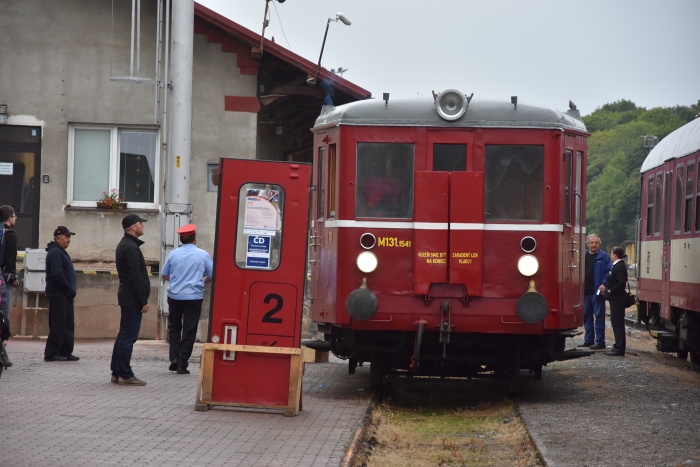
(178,210)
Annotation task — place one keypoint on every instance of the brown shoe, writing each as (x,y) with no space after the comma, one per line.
(115,379)
(133,381)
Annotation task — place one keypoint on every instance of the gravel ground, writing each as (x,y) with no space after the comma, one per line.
(639,410)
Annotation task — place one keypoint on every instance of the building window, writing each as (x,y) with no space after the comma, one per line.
(102,158)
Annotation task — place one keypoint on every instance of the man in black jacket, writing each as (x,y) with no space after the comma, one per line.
(134,289)
(60,290)
(614,288)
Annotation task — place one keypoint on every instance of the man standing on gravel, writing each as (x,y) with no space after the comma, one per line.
(598,266)
(134,289)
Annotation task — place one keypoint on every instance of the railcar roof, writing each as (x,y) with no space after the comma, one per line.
(683,141)
(421,112)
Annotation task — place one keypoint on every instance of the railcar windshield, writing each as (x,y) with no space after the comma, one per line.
(384,185)
(513,178)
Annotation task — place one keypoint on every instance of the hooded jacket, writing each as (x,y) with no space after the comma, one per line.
(60,273)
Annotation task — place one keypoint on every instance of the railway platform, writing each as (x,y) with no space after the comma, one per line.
(71,414)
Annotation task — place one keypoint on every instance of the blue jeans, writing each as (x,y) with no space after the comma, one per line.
(129,328)
(594,310)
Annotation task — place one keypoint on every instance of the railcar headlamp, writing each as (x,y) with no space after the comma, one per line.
(528,265)
(367,262)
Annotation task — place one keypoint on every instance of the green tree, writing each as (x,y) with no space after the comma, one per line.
(615,155)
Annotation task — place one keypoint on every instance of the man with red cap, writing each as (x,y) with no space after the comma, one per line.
(187,268)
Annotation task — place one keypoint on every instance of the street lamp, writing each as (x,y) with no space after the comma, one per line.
(266,21)
(338,17)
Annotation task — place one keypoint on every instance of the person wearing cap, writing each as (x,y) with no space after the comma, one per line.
(60,290)
(187,268)
(134,290)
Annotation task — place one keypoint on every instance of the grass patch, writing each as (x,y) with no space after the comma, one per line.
(430,423)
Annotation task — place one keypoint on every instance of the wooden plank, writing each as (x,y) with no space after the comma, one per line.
(252,348)
(204,400)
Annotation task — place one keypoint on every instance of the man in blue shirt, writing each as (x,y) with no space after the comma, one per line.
(187,268)
(598,266)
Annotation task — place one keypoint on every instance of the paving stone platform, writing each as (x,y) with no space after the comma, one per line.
(70,414)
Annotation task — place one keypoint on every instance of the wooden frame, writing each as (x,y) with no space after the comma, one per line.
(206,366)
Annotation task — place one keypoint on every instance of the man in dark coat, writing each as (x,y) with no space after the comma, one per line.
(134,289)
(614,289)
(60,290)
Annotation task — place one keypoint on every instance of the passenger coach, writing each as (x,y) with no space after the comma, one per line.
(447,235)
(668,242)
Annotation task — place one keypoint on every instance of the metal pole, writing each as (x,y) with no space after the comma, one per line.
(178,210)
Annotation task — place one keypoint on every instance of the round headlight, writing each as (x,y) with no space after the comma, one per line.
(528,265)
(367,262)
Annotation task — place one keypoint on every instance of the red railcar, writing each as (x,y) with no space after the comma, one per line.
(447,235)
(668,241)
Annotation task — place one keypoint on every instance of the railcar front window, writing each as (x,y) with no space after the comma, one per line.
(384,187)
(513,178)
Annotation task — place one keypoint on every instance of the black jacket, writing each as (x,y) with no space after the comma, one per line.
(615,282)
(60,273)
(9,269)
(134,283)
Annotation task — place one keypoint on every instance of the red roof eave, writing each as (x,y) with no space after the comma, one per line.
(248,36)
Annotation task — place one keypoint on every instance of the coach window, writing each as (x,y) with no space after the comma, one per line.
(320,185)
(658,197)
(680,199)
(384,187)
(650,205)
(689,194)
(513,178)
(697,200)
(449,157)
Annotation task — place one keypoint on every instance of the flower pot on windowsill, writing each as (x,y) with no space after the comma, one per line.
(113,207)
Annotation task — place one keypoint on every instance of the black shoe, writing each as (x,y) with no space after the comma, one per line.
(55,358)
(615,353)
(173,365)
(183,371)
(72,358)
(586,345)
(597,347)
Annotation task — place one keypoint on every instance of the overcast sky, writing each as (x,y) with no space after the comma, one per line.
(546,52)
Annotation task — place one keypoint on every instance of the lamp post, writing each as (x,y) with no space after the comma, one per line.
(266,21)
(338,17)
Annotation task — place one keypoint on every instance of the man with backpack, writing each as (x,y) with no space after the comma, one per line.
(8,257)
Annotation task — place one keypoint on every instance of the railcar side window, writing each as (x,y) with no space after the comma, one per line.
(449,157)
(320,185)
(513,178)
(384,186)
(689,189)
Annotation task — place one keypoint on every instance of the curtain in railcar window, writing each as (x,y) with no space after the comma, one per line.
(689,191)
(384,187)
(513,178)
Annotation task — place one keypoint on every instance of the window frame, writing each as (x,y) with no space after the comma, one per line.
(114,159)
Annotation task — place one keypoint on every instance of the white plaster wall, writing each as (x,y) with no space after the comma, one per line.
(56,59)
